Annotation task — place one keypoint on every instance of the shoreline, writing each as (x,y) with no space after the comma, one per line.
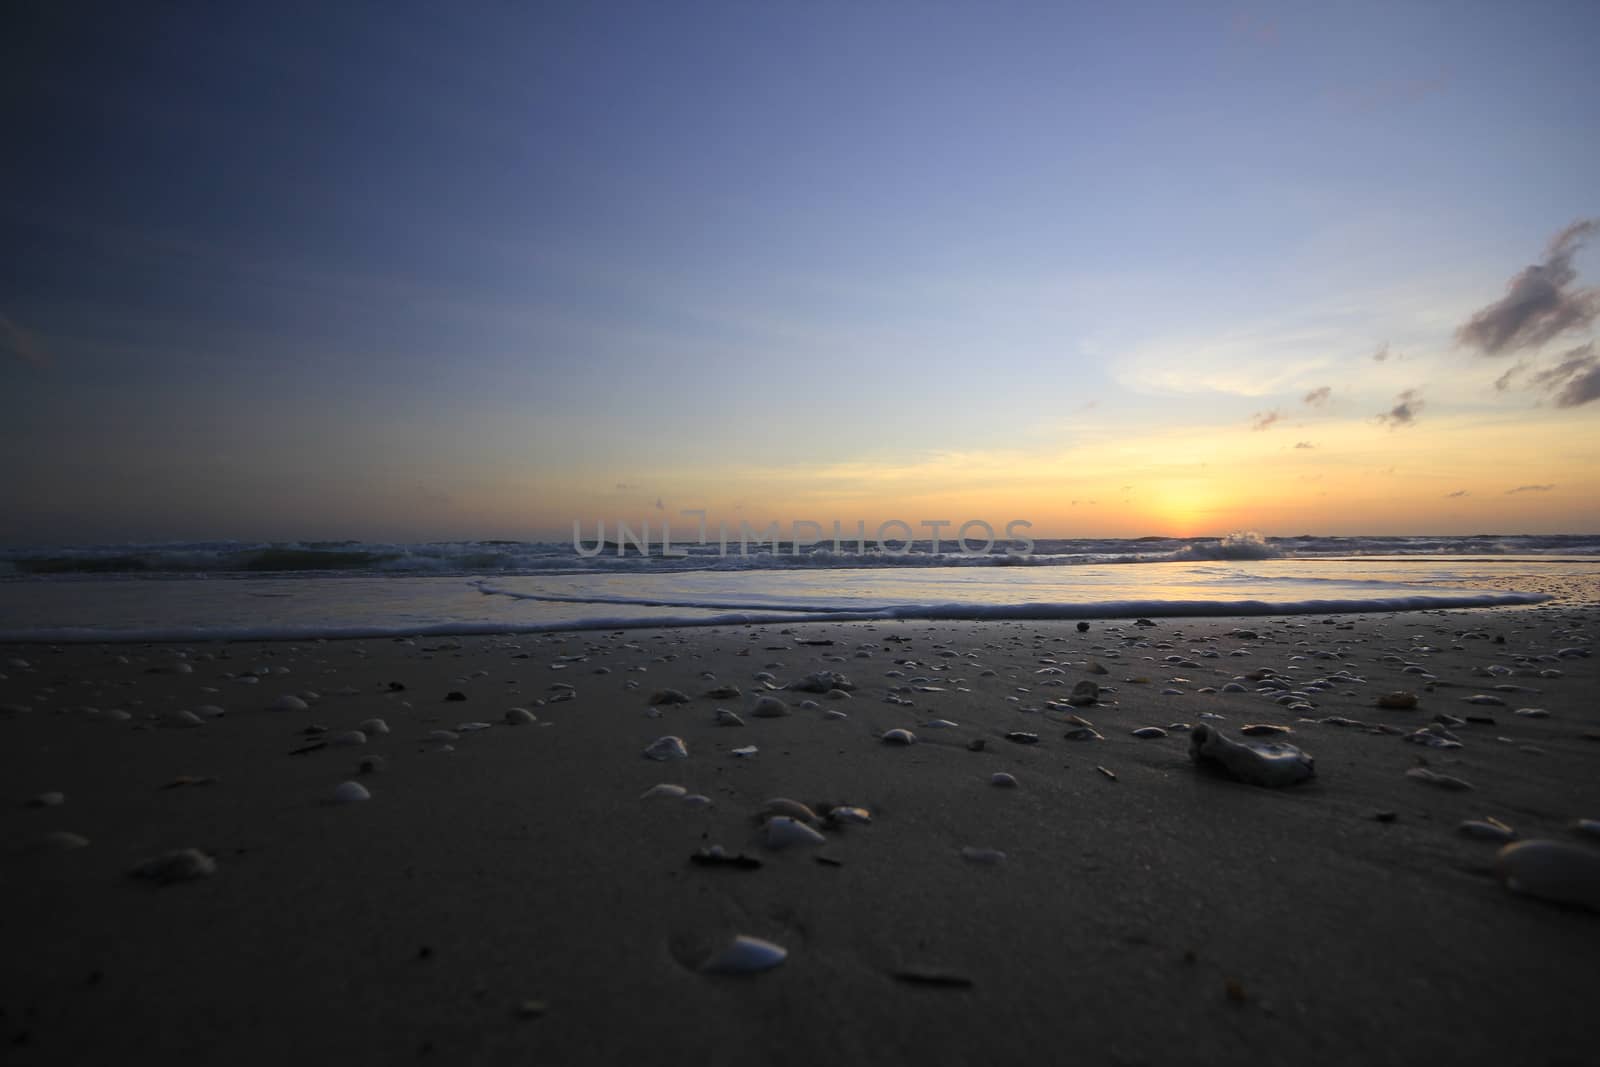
(516,896)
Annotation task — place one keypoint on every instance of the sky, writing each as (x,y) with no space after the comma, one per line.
(401,271)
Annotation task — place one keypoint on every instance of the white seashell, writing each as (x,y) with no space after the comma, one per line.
(940,724)
(783,831)
(728,718)
(521,717)
(697,800)
(1001,778)
(1149,732)
(1444,781)
(1552,870)
(835,713)
(349,793)
(349,737)
(1489,829)
(746,752)
(1532,713)
(177,866)
(898,737)
(1258,763)
(858,816)
(769,708)
(664,789)
(470,727)
(288,703)
(374,727)
(746,955)
(987,856)
(809,705)
(1485,700)
(667,747)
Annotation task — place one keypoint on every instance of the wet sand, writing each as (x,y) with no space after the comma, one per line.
(515,900)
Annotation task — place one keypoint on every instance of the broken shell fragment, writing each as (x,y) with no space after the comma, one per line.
(1255,762)
(746,955)
(668,747)
(180,865)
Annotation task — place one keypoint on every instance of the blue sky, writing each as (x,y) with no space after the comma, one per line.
(418,271)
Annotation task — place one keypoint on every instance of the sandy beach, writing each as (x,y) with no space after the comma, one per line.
(509,894)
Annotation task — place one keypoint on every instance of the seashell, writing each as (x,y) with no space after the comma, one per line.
(1485,699)
(1263,729)
(180,865)
(728,718)
(1487,829)
(1149,732)
(1443,781)
(988,857)
(746,752)
(1591,827)
(898,736)
(835,713)
(1551,870)
(746,955)
(520,717)
(838,694)
(61,841)
(288,703)
(697,800)
(471,727)
(822,682)
(940,724)
(349,737)
(443,735)
(723,692)
(792,808)
(348,793)
(209,711)
(664,790)
(184,718)
(1084,694)
(669,696)
(783,831)
(858,816)
(1083,733)
(1022,737)
(769,708)
(668,747)
(809,705)
(1400,700)
(374,727)
(1001,778)
(1234,687)
(1255,762)
(371,764)
(1532,713)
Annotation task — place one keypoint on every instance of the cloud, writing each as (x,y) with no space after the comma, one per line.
(1382,353)
(1262,419)
(1540,302)
(1404,412)
(1575,380)
(1304,444)
(1530,489)
(1458,492)
(1504,382)
(1318,396)
(15,339)
(624,487)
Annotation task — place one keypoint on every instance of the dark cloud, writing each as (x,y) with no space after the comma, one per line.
(1304,444)
(1262,419)
(1458,492)
(1404,412)
(1504,382)
(1575,380)
(1540,302)
(1318,396)
(1530,489)
(15,340)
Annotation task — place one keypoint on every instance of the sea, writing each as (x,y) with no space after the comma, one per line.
(235,590)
